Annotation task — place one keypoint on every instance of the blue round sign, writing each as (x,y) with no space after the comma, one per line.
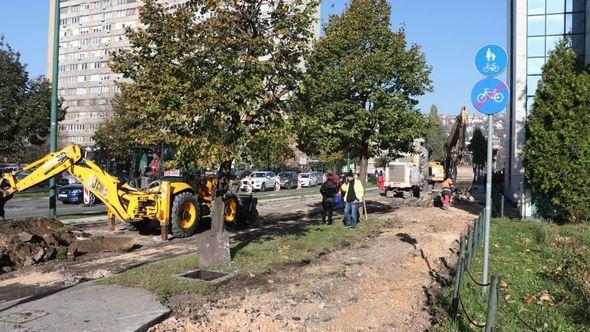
(491,60)
(490,96)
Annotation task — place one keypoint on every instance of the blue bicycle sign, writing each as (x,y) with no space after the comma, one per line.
(491,60)
(490,96)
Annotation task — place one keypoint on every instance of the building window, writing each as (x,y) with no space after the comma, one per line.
(536,25)
(555,6)
(536,7)
(555,24)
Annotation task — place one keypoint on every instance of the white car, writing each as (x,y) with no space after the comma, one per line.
(260,181)
(308,179)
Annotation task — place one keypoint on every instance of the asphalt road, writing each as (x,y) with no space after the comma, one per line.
(20,208)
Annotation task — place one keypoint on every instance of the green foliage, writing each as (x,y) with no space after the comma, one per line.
(360,85)
(113,135)
(212,87)
(25,106)
(435,137)
(546,271)
(478,147)
(557,148)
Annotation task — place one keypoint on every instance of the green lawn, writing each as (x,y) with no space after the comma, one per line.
(547,274)
(253,256)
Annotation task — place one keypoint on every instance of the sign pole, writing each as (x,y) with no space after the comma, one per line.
(488,211)
(53,127)
(489,96)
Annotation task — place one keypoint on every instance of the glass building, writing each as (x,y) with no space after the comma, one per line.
(534,29)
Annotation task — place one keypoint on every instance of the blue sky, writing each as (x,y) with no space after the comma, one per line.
(450,33)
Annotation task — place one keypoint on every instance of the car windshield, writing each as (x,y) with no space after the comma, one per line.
(304,175)
(258,175)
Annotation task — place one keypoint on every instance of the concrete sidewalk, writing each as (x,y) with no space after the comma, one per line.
(84,307)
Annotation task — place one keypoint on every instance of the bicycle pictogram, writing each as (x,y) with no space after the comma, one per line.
(491,67)
(486,94)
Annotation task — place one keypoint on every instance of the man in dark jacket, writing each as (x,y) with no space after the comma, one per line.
(328,191)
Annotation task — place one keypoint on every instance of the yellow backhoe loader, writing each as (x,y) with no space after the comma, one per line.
(170,203)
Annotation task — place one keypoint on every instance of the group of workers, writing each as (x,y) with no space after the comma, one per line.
(349,192)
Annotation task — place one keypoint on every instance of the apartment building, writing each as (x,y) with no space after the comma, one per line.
(89,32)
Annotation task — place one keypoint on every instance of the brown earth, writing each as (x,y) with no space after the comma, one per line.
(33,241)
(384,283)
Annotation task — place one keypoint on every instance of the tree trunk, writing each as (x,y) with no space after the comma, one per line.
(363,171)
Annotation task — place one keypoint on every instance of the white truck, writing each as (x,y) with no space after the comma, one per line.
(404,176)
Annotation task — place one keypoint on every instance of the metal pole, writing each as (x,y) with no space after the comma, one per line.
(53,127)
(486,243)
(492,305)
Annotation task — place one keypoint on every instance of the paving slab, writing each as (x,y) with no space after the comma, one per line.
(84,307)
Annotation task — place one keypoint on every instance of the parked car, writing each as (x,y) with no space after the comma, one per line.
(261,180)
(71,194)
(67,179)
(308,180)
(240,175)
(319,177)
(288,179)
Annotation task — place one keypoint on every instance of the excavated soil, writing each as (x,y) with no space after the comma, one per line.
(383,283)
(33,241)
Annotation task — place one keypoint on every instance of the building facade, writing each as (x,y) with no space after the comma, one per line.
(534,29)
(89,31)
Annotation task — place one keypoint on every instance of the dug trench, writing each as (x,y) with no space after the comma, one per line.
(25,244)
(32,241)
(385,281)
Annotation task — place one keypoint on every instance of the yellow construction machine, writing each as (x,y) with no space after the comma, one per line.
(455,149)
(170,203)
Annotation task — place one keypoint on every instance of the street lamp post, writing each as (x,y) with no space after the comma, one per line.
(53,126)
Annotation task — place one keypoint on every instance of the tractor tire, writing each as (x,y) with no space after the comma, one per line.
(184,215)
(230,209)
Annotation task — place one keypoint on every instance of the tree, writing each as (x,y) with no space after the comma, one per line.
(113,135)
(213,86)
(436,137)
(478,147)
(557,147)
(359,88)
(25,106)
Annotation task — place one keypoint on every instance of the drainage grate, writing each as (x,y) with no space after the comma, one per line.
(211,277)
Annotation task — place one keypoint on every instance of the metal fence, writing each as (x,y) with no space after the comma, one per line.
(468,245)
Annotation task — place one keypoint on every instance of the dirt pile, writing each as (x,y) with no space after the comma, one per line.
(32,241)
(29,242)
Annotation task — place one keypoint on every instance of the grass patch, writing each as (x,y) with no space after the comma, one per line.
(290,194)
(256,254)
(160,277)
(547,274)
(31,195)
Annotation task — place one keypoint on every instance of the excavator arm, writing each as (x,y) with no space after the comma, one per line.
(455,146)
(106,187)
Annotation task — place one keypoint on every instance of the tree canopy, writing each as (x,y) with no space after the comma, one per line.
(25,106)
(436,137)
(478,147)
(214,78)
(359,90)
(557,147)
